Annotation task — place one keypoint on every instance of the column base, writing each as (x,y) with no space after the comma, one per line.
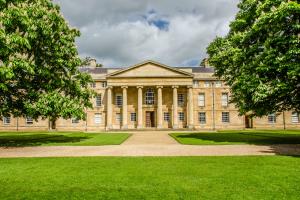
(139,127)
(190,126)
(124,127)
(175,126)
(159,127)
(108,127)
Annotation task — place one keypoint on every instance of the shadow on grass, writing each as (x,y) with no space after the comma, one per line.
(243,138)
(37,140)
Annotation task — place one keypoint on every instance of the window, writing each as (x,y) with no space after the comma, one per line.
(180,99)
(218,84)
(202,117)
(29,120)
(196,84)
(104,84)
(98,118)
(201,99)
(224,99)
(93,85)
(98,100)
(206,84)
(149,97)
(166,116)
(295,117)
(118,117)
(6,120)
(225,117)
(133,117)
(272,118)
(119,100)
(75,120)
(181,116)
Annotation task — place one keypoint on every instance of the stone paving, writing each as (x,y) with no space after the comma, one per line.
(150,144)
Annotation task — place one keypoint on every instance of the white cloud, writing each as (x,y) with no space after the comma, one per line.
(119,32)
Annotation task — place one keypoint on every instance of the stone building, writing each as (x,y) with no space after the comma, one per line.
(151,95)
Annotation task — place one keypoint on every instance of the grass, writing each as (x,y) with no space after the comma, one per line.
(17,139)
(270,177)
(257,137)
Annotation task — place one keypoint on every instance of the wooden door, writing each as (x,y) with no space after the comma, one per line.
(150,123)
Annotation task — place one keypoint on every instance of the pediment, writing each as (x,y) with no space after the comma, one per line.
(149,69)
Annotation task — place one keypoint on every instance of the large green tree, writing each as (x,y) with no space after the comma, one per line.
(260,57)
(39,74)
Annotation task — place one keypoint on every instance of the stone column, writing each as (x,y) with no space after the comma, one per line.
(190,108)
(124,108)
(159,107)
(175,106)
(109,108)
(140,107)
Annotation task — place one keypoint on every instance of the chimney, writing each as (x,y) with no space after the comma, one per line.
(92,62)
(204,63)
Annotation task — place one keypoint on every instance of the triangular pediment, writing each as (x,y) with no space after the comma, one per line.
(150,69)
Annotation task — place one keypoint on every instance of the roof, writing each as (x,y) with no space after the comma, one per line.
(103,70)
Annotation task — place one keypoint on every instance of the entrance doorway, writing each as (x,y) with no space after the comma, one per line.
(150,119)
(248,122)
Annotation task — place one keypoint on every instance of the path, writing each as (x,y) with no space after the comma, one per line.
(150,144)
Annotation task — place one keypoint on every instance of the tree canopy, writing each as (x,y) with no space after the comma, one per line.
(39,62)
(260,57)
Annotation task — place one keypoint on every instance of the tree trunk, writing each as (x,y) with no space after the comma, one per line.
(52,124)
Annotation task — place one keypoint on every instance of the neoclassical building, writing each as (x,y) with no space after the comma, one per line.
(151,95)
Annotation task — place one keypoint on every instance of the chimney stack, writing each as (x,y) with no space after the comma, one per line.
(92,62)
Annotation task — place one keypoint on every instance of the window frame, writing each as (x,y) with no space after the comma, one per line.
(224,101)
(225,119)
(272,118)
(203,100)
(75,120)
(200,118)
(150,96)
(133,117)
(119,118)
(98,118)
(29,121)
(294,116)
(195,84)
(119,100)
(93,85)
(181,116)
(98,100)
(167,116)
(7,120)
(218,84)
(181,99)
(207,84)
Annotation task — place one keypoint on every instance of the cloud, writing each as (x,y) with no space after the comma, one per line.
(125,32)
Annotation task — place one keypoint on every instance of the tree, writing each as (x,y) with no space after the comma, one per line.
(39,62)
(260,57)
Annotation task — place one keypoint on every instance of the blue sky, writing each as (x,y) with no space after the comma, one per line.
(124,32)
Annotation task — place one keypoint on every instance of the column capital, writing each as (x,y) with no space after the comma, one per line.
(160,86)
(139,87)
(175,86)
(109,87)
(124,87)
(189,86)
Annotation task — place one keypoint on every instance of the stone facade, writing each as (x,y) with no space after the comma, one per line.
(151,95)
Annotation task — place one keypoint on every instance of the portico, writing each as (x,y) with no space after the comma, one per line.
(158,112)
(150,98)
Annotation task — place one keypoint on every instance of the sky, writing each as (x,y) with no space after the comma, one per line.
(121,33)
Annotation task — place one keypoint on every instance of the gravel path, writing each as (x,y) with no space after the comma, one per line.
(150,144)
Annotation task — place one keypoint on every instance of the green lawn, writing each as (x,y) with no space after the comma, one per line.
(269,177)
(239,137)
(17,139)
